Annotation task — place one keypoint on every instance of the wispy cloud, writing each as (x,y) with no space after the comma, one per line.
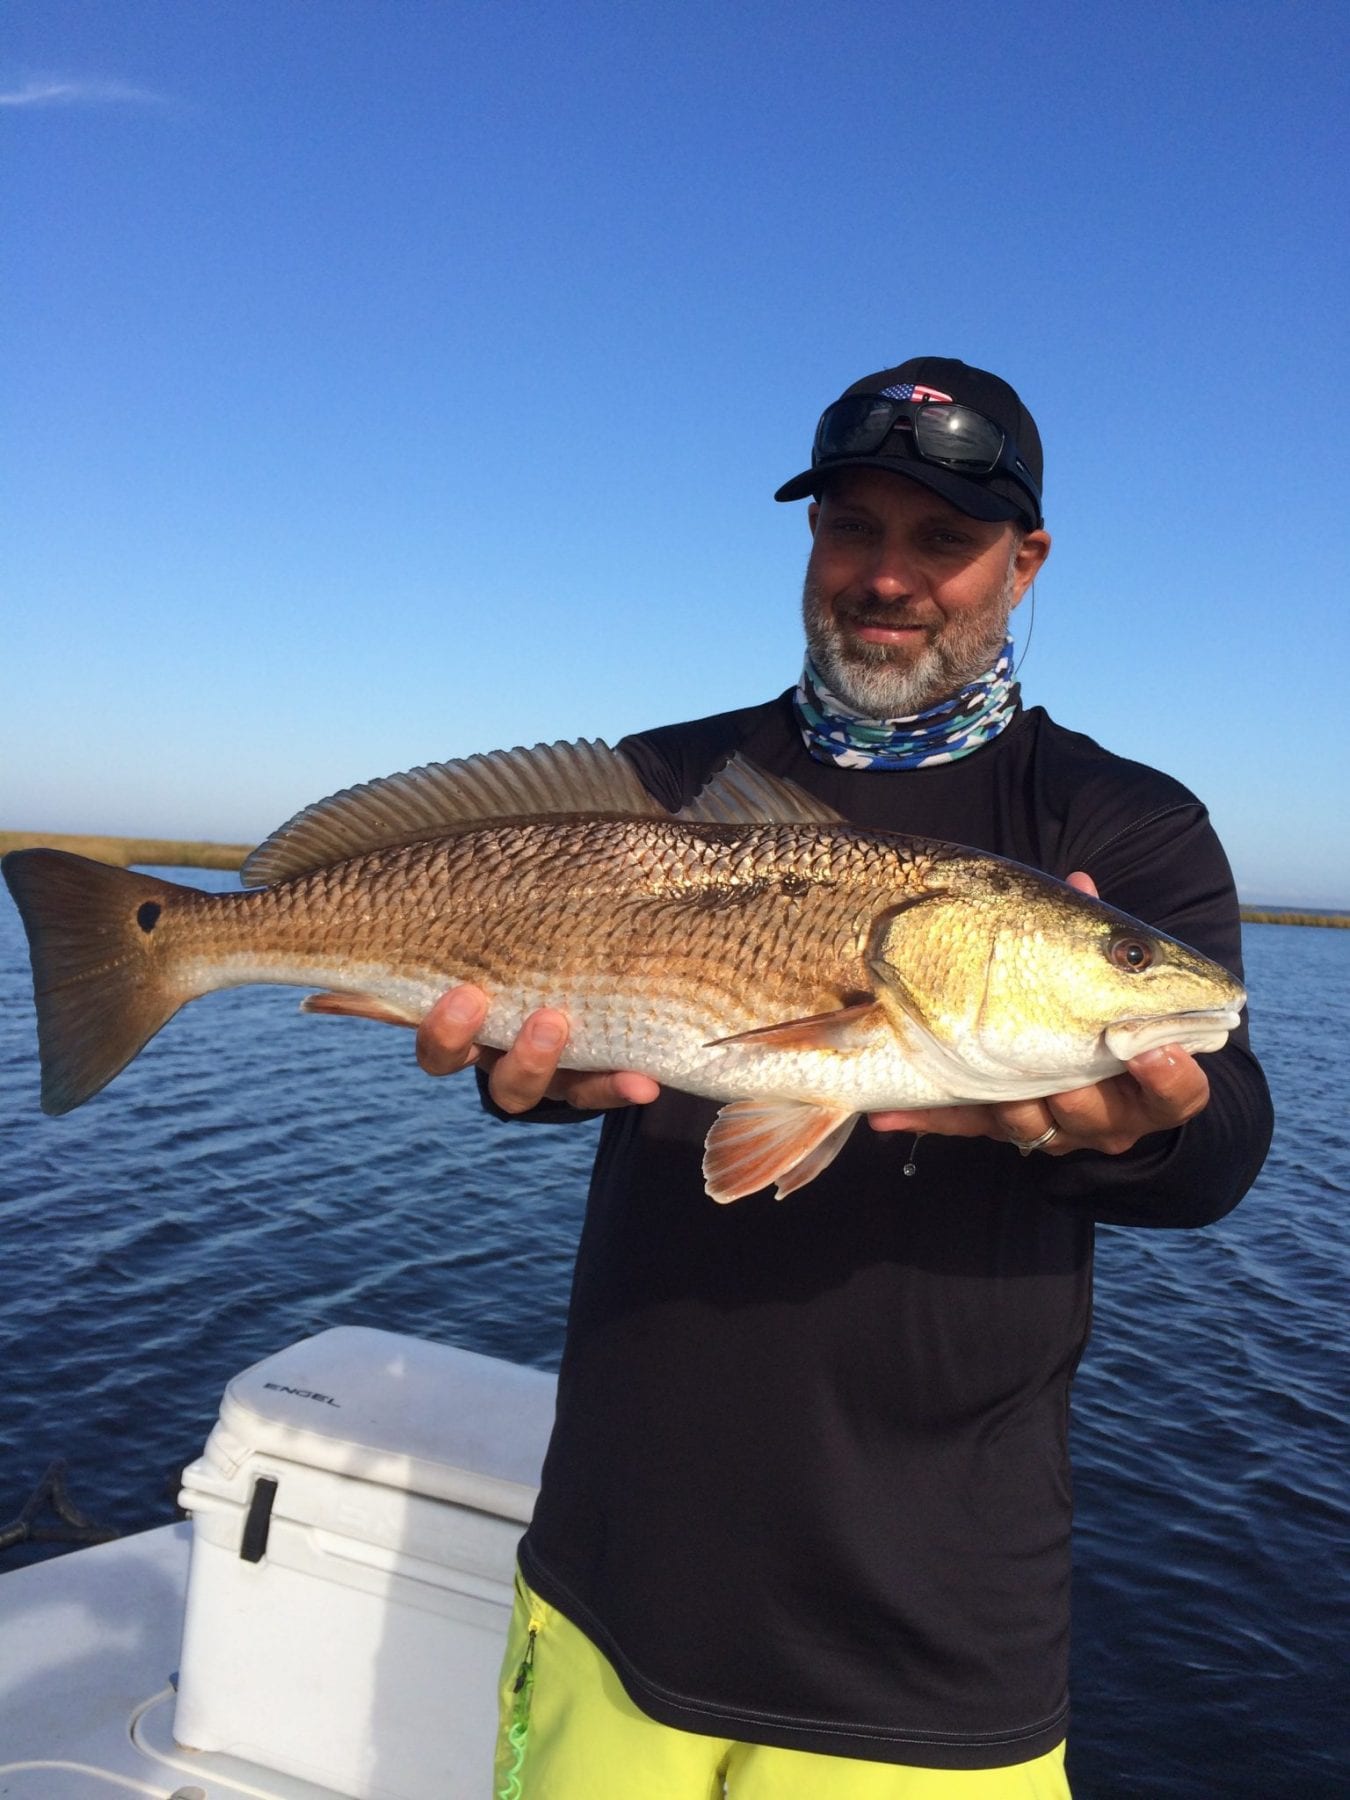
(75,92)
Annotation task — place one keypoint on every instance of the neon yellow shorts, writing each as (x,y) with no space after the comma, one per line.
(570,1732)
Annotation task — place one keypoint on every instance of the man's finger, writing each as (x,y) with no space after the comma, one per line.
(938,1121)
(521,1078)
(1024,1121)
(1172,1085)
(445,1036)
(601,1091)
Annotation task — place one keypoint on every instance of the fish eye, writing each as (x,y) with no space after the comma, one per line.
(1130,953)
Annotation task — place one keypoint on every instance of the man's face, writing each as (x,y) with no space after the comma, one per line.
(907,599)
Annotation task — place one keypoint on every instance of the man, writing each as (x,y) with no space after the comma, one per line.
(804,1523)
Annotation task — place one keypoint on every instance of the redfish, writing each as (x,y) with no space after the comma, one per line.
(753,948)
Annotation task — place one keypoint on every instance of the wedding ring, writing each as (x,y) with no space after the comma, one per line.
(1036,1143)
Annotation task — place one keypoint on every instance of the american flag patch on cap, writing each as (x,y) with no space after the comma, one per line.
(906,390)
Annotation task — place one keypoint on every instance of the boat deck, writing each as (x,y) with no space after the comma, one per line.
(89,1647)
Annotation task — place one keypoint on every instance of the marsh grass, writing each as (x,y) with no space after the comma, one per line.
(1261,915)
(165,853)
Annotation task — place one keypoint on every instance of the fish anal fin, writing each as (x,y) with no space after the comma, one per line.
(838,1030)
(358,1006)
(787,1142)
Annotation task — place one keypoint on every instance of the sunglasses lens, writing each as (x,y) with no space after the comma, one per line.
(957,438)
(855,427)
(951,435)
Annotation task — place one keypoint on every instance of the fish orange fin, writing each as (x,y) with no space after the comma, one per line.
(819,1031)
(357,1006)
(754,1142)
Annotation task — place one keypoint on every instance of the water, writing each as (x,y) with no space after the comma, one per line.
(257,1175)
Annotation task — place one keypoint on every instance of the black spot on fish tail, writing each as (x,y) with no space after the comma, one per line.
(100,993)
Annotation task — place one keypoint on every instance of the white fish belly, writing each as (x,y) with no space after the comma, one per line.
(662,1036)
(670,1041)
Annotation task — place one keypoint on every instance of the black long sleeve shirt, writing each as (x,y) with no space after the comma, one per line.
(809,1481)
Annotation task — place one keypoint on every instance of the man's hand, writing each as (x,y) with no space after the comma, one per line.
(1160,1090)
(528,1072)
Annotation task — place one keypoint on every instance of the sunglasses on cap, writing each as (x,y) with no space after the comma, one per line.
(953,436)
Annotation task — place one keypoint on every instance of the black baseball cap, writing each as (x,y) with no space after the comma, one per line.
(999,495)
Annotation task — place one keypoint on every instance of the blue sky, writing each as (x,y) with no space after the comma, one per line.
(388,381)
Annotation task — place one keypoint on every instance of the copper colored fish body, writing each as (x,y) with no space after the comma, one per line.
(754,949)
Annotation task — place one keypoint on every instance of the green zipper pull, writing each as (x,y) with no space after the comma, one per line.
(525,1674)
(519,1730)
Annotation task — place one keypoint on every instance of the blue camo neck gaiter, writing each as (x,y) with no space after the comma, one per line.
(940,734)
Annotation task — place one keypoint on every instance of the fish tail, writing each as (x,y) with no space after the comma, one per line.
(101,986)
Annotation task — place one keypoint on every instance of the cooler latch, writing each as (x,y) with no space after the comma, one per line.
(253,1543)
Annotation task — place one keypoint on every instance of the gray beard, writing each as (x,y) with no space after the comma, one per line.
(884,682)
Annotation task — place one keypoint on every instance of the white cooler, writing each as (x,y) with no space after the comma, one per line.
(355,1516)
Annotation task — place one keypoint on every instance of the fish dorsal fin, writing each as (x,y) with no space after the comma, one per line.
(741,794)
(582,777)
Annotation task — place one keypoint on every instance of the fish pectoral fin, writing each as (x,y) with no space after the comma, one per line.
(838,1030)
(358,1006)
(788,1142)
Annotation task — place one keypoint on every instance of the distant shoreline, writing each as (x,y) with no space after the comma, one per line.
(1278,915)
(175,853)
(163,853)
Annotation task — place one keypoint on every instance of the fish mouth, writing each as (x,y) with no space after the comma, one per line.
(1206,1029)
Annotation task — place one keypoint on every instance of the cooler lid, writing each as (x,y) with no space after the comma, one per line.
(427,1418)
